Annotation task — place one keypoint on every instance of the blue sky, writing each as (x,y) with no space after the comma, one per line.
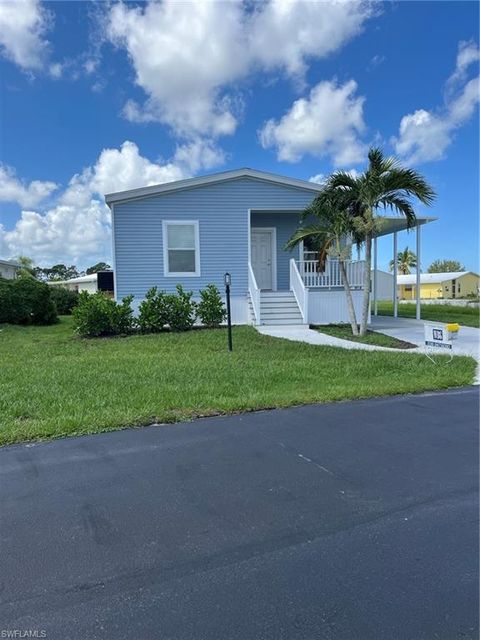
(99,97)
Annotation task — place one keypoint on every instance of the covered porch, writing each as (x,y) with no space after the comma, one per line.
(291,278)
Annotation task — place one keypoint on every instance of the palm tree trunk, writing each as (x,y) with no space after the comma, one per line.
(348,293)
(366,283)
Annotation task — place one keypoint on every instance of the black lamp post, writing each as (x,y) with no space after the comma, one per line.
(227,278)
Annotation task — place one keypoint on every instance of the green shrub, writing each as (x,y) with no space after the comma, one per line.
(153,311)
(182,311)
(26,300)
(210,308)
(64,300)
(98,315)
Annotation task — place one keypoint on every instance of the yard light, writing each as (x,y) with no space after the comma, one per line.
(227,279)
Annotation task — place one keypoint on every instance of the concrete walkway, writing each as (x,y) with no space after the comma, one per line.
(467,343)
(409,330)
(302,333)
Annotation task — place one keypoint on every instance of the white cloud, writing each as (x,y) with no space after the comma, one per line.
(12,189)
(328,122)
(426,135)
(187,56)
(76,229)
(319,178)
(23,26)
(65,233)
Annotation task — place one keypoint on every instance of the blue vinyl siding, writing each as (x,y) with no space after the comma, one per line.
(222,212)
(285,223)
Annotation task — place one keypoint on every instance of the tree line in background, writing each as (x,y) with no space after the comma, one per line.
(56,272)
(407,260)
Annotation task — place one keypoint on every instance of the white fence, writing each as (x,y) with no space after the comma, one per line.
(299,290)
(332,276)
(254,292)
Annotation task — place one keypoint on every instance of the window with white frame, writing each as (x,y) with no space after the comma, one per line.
(181,248)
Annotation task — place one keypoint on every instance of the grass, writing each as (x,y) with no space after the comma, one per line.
(54,384)
(344,331)
(466,316)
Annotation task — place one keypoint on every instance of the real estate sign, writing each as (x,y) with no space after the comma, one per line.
(438,335)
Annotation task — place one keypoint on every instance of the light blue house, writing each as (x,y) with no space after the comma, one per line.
(193,231)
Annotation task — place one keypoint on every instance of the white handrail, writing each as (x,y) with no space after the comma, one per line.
(299,290)
(254,292)
(332,276)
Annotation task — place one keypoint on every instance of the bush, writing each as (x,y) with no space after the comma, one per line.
(26,300)
(98,315)
(210,308)
(182,311)
(64,300)
(153,311)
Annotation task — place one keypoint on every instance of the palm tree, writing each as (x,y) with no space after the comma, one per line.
(329,238)
(384,185)
(406,260)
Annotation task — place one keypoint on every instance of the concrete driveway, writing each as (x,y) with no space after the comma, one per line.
(467,343)
(353,520)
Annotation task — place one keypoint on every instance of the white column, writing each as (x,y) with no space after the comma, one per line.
(395,269)
(375,261)
(418,314)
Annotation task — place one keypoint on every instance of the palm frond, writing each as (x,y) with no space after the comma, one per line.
(409,183)
(400,205)
(317,231)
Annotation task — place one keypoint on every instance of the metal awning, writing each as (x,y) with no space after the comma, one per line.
(394,224)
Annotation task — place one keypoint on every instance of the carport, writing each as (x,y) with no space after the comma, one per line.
(393,225)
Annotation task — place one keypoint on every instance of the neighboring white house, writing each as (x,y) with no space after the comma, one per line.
(384,282)
(101,281)
(8,269)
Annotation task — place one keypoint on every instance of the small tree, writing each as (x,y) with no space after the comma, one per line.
(406,260)
(384,185)
(445,266)
(330,235)
(211,310)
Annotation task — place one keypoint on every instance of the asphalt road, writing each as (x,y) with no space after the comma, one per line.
(349,520)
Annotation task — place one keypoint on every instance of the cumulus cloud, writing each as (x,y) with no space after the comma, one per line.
(327,122)
(12,189)
(186,56)
(23,28)
(65,233)
(76,229)
(426,135)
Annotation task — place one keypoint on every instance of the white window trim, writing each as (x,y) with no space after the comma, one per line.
(181,274)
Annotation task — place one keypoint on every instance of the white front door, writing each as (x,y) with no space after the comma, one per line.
(261,251)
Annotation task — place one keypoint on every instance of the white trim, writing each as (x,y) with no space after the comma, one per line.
(114,259)
(181,274)
(122,196)
(273,240)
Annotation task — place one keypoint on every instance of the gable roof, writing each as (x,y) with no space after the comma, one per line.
(131,194)
(432,278)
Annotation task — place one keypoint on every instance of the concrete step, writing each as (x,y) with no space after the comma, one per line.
(283,313)
(282,321)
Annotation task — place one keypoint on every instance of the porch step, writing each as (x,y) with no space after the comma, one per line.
(278,308)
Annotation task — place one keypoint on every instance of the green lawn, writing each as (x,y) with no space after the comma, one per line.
(468,316)
(54,384)
(344,331)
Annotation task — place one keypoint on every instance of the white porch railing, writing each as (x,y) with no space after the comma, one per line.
(254,292)
(332,276)
(299,290)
